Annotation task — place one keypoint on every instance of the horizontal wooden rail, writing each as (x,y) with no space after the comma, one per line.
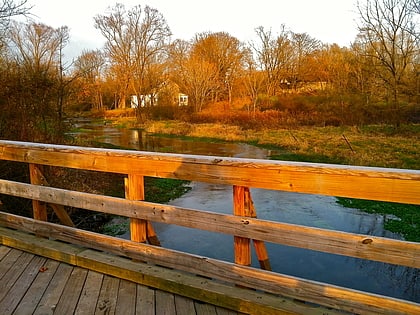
(384,184)
(328,295)
(336,242)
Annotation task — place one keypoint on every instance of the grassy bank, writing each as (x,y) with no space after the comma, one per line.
(381,146)
(377,145)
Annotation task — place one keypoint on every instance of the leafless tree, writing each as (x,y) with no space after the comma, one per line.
(89,69)
(388,30)
(11,8)
(274,54)
(135,39)
(194,75)
(303,47)
(226,53)
(37,51)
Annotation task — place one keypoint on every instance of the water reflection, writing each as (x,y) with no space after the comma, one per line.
(309,210)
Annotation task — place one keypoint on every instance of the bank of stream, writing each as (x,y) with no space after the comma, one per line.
(303,209)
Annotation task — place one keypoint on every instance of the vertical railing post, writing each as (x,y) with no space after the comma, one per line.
(244,206)
(39,207)
(134,190)
(242,246)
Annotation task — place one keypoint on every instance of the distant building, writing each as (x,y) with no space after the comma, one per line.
(149,100)
(145,100)
(182,99)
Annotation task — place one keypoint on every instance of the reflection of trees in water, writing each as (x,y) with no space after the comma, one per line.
(399,281)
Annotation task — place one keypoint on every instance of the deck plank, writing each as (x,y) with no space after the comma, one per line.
(21,285)
(14,273)
(4,251)
(184,305)
(34,294)
(145,300)
(71,293)
(38,285)
(90,294)
(126,301)
(108,296)
(54,290)
(165,303)
(205,309)
(8,261)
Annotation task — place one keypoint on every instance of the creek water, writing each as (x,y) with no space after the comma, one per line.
(302,209)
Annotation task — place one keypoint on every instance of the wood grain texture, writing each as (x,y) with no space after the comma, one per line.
(336,180)
(342,243)
(288,286)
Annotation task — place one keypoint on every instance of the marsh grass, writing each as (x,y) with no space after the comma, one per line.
(376,145)
(379,146)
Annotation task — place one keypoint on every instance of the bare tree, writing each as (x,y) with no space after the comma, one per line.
(11,8)
(89,68)
(226,53)
(134,39)
(274,54)
(37,50)
(253,80)
(387,29)
(194,75)
(303,47)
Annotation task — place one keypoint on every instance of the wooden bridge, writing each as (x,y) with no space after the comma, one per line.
(50,268)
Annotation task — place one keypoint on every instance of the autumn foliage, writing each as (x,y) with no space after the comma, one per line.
(282,78)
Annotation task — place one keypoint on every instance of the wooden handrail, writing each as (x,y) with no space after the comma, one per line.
(395,185)
(373,183)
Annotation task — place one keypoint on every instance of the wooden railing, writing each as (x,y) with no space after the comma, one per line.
(395,185)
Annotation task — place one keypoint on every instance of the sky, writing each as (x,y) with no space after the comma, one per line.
(331,21)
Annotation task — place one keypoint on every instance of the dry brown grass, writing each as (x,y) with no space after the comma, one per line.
(349,145)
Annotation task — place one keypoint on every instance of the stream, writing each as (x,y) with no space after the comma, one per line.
(304,209)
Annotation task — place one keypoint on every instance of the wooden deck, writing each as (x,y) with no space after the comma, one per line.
(31,284)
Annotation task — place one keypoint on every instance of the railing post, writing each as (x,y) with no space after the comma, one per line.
(244,206)
(242,246)
(134,190)
(39,207)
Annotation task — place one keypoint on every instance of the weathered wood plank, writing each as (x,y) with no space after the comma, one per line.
(14,272)
(205,309)
(190,286)
(184,305)
(52,294)
(126,301)
(327,295)
(33,296)
(337,180)
(38,178)
(165,303)
(8,261)
(90,294)
(223,311)
(342,243)
(145,304)
(3,251)
(107,300)
(19,288)
(39,207)
(28,243)
(71,293)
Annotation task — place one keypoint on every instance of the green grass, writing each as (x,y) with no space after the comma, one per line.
(399,218)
